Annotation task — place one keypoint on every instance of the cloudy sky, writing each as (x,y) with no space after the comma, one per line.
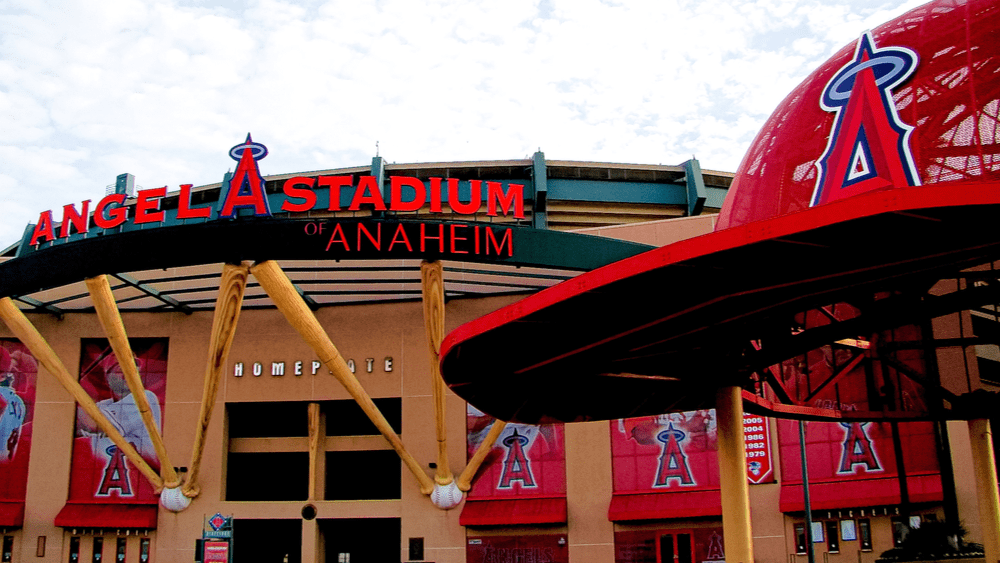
(163,89)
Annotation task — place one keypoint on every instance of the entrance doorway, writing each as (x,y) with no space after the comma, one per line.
(267,541)
(675,547)
(361,540)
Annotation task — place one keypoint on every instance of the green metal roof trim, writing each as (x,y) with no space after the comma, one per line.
(273,238)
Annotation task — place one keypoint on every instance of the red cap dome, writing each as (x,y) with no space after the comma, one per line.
(914,102)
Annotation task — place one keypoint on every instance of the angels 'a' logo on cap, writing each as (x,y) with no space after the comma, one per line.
(869,145)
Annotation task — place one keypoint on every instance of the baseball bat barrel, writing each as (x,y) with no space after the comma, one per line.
(228,305)
(40,349)
(114,328)
(464,481)
(290,303)
(432,286)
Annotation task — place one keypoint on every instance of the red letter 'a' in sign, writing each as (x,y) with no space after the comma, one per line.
(673,461)
(115,474)
(869,146)
(516,466)
(857,449)
(246,188)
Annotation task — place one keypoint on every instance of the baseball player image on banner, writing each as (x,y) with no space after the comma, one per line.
(526,461)
(100,471)
(18,373)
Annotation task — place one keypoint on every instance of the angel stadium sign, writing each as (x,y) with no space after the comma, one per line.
(244,191)
(350,214)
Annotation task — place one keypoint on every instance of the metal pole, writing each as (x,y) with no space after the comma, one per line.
(810,553)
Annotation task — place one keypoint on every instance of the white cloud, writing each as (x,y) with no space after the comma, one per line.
(162,90)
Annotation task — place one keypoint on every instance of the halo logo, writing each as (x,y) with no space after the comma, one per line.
(869,146)
(246,187)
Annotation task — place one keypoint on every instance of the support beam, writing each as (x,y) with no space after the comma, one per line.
(154,293)
(695,184)
(227,313)
(114,328)
(464,481)
(295,310)
(736,531)
(981,437)
(432,285)
(314,440)
(40,349)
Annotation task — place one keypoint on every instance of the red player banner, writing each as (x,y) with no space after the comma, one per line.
(100,471)
(669,452)
(856,450)
(863,454)
(526,461)
(18,374)
(757,437)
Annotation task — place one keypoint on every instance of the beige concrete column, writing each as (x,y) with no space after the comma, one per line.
(986,485)
(310,542)
(736,531)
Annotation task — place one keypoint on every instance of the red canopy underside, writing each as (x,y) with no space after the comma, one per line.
(107,515)
(513,512)
(663,330)
(660,506)
(861,493)
(11,514)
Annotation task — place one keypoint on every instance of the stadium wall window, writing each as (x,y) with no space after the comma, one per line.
(800,539)
(832,537)
(381,469)
(74,549)
(900,529)
(865,534)
(247,476)
(98,550)
(120,549)
(8,549)
(268,420)
(345,418)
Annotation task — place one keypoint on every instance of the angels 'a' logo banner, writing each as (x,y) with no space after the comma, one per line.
(526,460)
(669,452)
(869,145)
(100,470)
(839,451)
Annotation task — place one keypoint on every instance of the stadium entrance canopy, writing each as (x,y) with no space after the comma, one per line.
(859,226)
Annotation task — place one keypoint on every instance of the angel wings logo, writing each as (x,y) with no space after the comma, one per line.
(869,145)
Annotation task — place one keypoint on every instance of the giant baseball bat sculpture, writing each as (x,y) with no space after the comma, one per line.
(227,312)
(432,286)
(465,479)
(29,336)
(290,303)
(114,328)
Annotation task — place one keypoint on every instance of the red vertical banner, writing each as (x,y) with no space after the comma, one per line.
(18,374)
(526,460)
(757,436)
(100,471)
(670,452)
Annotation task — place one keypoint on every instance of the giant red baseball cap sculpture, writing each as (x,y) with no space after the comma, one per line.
(875,179)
